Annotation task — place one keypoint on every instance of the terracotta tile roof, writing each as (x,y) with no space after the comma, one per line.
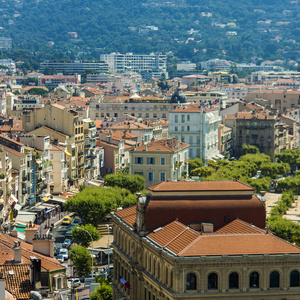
(17,284)
(193,108)
(165,186)
(13,151)
(93,91)
(162,145)
(248,116)
(188,242)
(57,132)
(10,139)
(275,92)
(7,254)
(240,227)
(128,215)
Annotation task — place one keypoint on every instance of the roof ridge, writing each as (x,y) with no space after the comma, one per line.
(191,244)
(182,225)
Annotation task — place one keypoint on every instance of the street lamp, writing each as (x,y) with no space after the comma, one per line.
(92,248)
(108,257)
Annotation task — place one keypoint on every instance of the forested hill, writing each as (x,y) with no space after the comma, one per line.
(191,29)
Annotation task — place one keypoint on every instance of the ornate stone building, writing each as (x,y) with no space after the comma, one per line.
(201,240)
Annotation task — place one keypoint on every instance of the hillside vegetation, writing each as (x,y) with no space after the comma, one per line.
(191,29)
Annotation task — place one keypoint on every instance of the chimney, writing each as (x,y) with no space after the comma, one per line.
(43,244)
(17,252)
(30,232)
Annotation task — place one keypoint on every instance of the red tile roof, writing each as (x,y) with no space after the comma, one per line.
(162,145)
(248,116)
(128,215)
(193,108)
(243,240)
(173,186)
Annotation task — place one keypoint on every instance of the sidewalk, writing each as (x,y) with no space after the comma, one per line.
(44,227)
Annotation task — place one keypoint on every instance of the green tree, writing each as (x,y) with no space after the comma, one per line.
(203,171)
(257,158)
(134,183)
(38,91)
(274,169)
(249,149)
(195,163)
(82,238)
(94,204)
(102,292)
(82,260)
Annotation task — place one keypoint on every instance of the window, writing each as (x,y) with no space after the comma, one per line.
(176,119)
(139,160)
(188,128)
(274,279)
(162,161)
(188,117)
(191,282)
(254,280)
(176,128)
(150,160)
(182,118)
(212,281)
(182,128)
(171,279)
(150,176)
(294,278)
(234,280)
(162,176)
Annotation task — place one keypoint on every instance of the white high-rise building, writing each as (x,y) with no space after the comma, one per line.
(153,62)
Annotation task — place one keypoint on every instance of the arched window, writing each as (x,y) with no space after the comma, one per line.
(191,282)
(234,280)
(254,280)
(212,281)
(274,279)
(171,279)
(294,278)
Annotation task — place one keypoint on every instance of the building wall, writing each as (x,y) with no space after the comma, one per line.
(198,130)
(172,170)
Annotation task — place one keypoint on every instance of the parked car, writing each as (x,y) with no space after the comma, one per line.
(60,258)
(68,234)
(67,220)
(76,221)
(57,251)
(64,253)
(75,282)
(67,243)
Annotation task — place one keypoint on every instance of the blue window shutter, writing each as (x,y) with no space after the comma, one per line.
(136,160)
(141,160)
(148,161)
(142,173)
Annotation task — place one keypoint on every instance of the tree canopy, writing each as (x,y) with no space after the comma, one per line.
(82,260)
(81,237)
(94,204)
(133,183)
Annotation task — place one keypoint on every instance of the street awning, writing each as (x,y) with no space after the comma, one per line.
(68,153)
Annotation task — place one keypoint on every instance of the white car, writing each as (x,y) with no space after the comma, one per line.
(60,258)
(75,282)
(64,253)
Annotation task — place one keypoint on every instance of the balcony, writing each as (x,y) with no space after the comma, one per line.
(49,169)
(48,181)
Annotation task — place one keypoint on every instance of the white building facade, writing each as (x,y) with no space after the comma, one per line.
(118,62)
(198,127)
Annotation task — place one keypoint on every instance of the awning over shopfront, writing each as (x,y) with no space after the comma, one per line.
(68,153)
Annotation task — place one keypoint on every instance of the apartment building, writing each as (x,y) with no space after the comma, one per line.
(225,143)
(198,126)
(53,81)
(65,126)
(42,164)
(118,62)
(144,108)
(256,128)
(156,161)
(276,100)
(75,67)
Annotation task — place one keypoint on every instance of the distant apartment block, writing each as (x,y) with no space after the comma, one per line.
(75,67)
(5,43)
(186,66)
(9,65)
(216,65)
(53,81)
(136,62)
